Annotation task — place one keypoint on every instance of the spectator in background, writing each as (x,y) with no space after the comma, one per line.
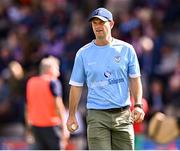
(173,104)
(45,108)
(5,104)
(169,60)
(156,96)
(17,85)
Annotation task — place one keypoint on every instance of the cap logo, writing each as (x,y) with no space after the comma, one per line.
(96,13)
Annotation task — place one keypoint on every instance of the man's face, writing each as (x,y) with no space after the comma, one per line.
(101,29)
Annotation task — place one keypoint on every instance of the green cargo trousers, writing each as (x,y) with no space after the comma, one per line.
(110,130)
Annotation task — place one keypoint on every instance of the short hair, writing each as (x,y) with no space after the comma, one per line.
(47,63)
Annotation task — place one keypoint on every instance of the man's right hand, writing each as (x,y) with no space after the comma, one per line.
(72,124)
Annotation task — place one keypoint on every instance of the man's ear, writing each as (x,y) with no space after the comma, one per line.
(112,24)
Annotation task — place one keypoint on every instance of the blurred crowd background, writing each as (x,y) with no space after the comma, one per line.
(33,29)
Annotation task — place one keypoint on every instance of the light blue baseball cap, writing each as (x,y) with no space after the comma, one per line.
(101,13)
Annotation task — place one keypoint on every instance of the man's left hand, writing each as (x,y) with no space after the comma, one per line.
(138,114)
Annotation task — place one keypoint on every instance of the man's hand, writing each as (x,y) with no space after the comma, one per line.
(65,137)
(72,124)
(138,114)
